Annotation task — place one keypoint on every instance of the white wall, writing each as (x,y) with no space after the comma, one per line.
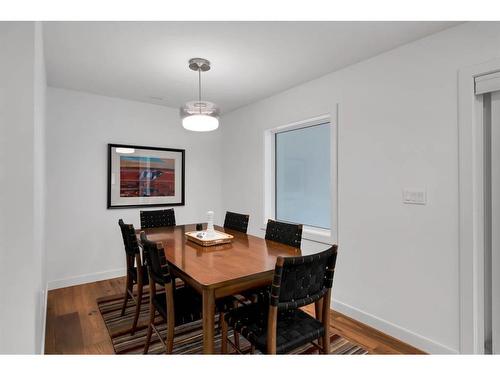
(83,238)
(22,83)
(398,264)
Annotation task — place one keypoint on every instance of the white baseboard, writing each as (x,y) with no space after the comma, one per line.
(412,338)
(84,279)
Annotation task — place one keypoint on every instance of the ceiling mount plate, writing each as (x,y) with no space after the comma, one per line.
(197,63)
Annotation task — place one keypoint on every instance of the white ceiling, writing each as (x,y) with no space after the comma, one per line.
(146,61)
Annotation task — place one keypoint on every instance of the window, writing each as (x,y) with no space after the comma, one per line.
(303,175)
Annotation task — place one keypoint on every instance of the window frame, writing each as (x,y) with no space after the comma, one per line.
(316,234)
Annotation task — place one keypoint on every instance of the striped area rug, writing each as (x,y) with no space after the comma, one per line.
(188,338)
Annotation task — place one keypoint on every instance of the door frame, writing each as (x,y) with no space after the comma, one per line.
(471,208)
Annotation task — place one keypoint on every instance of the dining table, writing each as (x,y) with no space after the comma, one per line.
(247,262)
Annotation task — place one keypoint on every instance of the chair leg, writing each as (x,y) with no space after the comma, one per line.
(326,344)
(137,307)
(150,327)
(128,286)
(223,325)
(219,322)
(170,340)
(252,349)
(236,334)
(318,307)
(326,321)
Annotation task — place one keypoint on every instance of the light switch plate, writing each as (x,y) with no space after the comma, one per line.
(414,196)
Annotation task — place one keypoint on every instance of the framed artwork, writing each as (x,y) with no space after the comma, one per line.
(140,176)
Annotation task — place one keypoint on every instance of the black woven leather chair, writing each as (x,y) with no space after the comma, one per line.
(177,306)
(136,271)
(288,234)
(235,221)
(285,233)
(158,218)
(278,325)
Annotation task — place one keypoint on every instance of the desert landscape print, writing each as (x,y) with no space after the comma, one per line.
(142,176)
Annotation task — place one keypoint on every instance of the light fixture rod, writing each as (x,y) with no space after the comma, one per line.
(199,115)
(199,89)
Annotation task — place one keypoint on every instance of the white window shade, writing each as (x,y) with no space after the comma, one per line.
(303,186)
(487,83)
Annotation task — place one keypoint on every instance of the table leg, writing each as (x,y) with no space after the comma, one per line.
(208,321)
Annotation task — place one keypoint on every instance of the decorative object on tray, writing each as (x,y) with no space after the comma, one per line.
(210,225)
(141,176)
(209,237)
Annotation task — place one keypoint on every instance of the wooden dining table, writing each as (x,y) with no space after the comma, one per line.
(219,271)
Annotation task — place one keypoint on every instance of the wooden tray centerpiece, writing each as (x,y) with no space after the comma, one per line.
(203,238)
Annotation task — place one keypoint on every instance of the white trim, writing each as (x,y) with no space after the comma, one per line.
(269,171)
(334,230)
(470,144)
(487,83)
(44,317)
(84,279)
(409,337)
(327,236)
(317,235)
(317,120)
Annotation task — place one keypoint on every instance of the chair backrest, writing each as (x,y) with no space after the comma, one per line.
(299,281)
(157,218)
(129,238)
(155,260)
(285,233)
(236,221)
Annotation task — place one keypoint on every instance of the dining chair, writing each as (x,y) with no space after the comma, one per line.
(278,324)
(136,272)
(235,221)
(157,218)
(176,305)
(285,233)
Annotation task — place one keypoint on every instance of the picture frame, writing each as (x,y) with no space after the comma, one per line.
(143,176)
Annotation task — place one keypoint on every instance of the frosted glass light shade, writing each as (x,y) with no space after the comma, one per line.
(200,116)
(200,123)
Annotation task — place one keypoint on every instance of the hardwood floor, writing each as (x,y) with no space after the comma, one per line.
(75,326)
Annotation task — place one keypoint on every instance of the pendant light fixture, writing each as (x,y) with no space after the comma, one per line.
(200,115)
